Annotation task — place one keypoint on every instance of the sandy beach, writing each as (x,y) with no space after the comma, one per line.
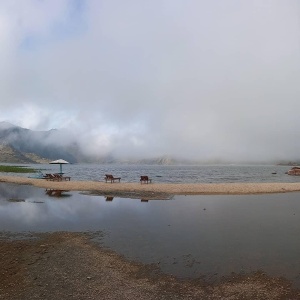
(70,266)
(160,189)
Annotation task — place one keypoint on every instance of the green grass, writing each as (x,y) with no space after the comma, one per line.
(17,169)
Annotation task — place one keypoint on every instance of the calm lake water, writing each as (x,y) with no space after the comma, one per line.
(174,174)
(188,236)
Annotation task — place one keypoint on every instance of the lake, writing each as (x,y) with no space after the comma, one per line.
(187,236)
(171,174)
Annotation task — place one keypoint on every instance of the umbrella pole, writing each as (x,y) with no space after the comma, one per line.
(60,168)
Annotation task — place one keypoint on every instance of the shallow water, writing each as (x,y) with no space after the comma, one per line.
(188,236)
(174,174)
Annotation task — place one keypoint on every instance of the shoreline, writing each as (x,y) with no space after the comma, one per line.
(63,265)
(167,189)
(70,265)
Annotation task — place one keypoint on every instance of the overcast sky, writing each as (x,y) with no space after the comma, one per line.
(143,78)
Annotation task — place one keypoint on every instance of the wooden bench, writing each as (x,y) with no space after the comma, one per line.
(60,177)
(51,177)
(66,178)
(109,177)
(145,179)
(56,177)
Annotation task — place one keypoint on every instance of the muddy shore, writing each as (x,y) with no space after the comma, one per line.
(64,265)
(70,266)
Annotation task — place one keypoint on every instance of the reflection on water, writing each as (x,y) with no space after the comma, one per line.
(15,200)
(110,198)
(188,236)
(57,193)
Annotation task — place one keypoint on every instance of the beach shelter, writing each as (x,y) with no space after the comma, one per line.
(59,162)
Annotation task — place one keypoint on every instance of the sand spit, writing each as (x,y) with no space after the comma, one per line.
(158,188)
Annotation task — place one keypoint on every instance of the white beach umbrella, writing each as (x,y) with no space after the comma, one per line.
(60,162)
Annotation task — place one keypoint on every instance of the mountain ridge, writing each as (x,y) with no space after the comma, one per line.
(22,145)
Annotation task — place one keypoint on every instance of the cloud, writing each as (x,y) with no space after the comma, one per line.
(196,79)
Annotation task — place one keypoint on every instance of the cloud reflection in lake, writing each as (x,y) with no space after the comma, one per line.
(188,236)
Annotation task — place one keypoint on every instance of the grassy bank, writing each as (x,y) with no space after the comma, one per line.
(16,169)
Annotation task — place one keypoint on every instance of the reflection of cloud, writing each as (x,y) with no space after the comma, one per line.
(13,192)
(204,80)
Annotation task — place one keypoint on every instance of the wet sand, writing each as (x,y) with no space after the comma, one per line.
(70,266)
(158,188)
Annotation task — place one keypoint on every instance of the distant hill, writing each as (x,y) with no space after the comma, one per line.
(20,145)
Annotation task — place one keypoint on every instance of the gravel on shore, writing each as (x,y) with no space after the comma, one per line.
(70,266)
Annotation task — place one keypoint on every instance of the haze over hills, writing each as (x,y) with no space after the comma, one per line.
(21,145)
